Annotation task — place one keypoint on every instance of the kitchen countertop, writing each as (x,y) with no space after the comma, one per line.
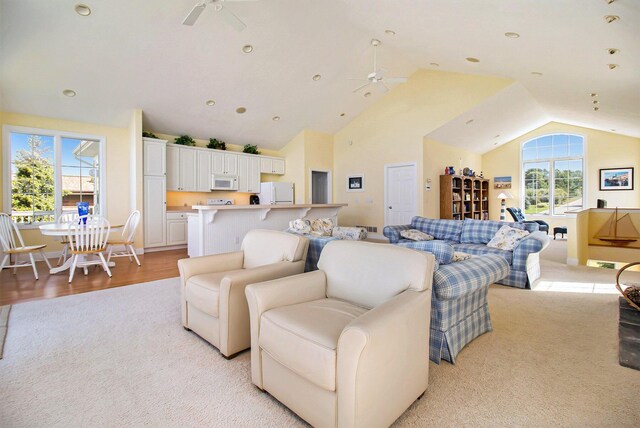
(186,209)
(262,207)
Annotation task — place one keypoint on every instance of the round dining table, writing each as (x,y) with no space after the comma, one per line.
(62,229)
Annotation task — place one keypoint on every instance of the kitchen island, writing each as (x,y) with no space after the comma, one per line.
(215,229)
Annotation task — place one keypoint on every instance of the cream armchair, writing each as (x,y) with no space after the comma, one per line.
(347,345)
(213,301)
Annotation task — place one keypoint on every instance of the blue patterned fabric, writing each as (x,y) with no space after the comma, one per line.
(444,230)
(461,278)
(516,279)
(482,231)
(533,243)
(481,249)
(316,244)
(442,251)
(393,233)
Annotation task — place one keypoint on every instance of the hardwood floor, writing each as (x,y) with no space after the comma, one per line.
(23,287)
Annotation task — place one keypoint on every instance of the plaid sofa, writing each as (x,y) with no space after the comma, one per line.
(472,236)
(459,308)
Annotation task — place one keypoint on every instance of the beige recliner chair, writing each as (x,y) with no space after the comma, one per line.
(347,345)
(213,301)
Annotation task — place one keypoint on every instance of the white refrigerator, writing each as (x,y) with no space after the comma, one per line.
(276,193)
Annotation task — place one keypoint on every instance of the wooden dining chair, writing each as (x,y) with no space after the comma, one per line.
(66,218)
(126,240)
(88,238)
(12,243)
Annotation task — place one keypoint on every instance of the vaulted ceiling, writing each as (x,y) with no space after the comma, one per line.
(137,54)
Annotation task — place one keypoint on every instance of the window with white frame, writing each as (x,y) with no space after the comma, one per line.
(49,172)
(553,174)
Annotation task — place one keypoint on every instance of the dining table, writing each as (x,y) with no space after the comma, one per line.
(62,229)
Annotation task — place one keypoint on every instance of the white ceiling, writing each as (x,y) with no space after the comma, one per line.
(136,54)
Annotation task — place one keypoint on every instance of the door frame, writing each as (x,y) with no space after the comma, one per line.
(329,184)
(386,196)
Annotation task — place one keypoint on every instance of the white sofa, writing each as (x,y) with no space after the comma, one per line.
(347,345)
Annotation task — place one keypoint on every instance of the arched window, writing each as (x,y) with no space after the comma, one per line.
(553,174)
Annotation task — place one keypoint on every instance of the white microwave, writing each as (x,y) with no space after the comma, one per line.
(224,182)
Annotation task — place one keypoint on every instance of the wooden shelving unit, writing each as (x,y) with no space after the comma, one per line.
(464,197)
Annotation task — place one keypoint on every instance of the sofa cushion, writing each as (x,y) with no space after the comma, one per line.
(442,250)
(456,280)
(416,235)
(507,238)
(304,337)
(482,231)
(203,291)
(481,249)
(445,230)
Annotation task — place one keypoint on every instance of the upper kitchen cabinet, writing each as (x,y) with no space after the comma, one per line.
(248,174)
(181,169)
(154,151)
(204,170)
(224,163)
(269,165)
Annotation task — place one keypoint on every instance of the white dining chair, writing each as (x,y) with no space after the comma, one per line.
(12,243)
(86,239)
(126,240)
(66,218)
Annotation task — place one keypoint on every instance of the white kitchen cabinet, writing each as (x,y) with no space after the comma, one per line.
(254,175)
(203,171)
(217,162)
(269,165)
(231,164)
(154,156)
(176,228)
(154,211)
(224,163)
(243,174)
(181,169)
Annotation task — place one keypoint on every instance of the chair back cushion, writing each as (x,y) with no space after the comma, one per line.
(444,230)
(482,231)
(516,213)
(264,247)
(368,274)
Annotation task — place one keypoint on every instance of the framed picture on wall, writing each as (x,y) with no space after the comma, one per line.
(502,182)
(616,179)
(355,183)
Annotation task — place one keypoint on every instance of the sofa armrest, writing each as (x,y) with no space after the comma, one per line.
(234,312)
(209,264)
(454,280)
(383,361)
(393,232)
(534,243)
(272,294)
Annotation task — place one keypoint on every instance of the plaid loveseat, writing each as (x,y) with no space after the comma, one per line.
(459,308)
(472,236)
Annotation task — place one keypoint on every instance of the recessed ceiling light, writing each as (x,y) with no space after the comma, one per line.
(247,49)
(469,122)
(613,51)
(390,32)
(435,64)
(367,94)
(375,42)
(612,66)
(512,35)
(593,94)
(611,18)
(536,73)
(317,77)
(342,114)
(596,108)
(69,93)
(82,9)
(471,59)
(275,118)
(210,103)
(241,110)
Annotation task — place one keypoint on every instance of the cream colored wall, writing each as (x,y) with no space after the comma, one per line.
(318,155)
(603,150)
(294,154)
(117,165)
(392,131)
(437,156)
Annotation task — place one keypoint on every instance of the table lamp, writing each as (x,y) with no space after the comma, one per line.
(503,195)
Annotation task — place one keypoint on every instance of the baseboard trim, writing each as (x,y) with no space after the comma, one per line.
(172,247)
(572,261)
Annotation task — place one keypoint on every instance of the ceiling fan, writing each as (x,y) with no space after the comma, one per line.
(377,76)
(228,16)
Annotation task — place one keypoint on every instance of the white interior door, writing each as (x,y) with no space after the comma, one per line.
(400,193)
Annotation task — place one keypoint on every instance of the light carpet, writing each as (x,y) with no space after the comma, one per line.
(4,320)
(120,357)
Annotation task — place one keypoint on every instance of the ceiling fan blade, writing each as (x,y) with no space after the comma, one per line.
(358,78)
(194,14)
(396,79)
(361,87)
(230,18)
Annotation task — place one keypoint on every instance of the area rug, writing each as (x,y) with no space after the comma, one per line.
(120,357)
(4,319)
